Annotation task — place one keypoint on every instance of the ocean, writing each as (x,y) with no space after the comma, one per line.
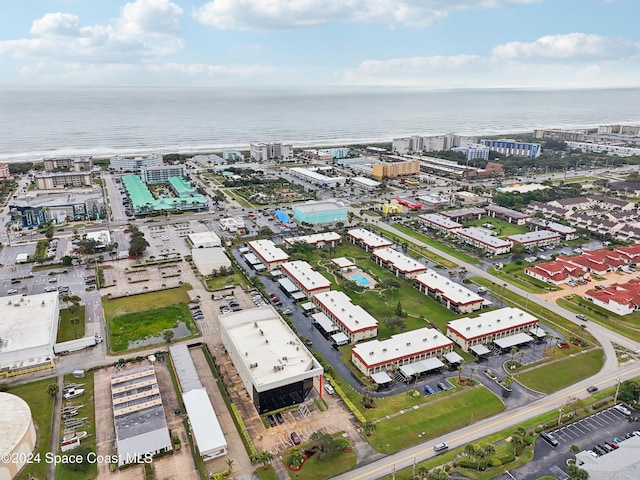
(43,122)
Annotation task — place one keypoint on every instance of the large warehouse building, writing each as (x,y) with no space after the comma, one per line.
(275,367)
(28,330)
(320,212)
(18,434)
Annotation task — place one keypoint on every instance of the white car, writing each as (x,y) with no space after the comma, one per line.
(622,409)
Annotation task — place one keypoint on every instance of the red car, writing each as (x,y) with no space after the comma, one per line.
(295,438)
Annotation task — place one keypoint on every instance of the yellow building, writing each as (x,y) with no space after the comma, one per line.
(395,169)
(390,208)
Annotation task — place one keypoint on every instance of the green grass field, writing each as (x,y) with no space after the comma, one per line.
(439,245)
(315,469)
(436,418)
(514,273)
(146,301)
(501,227)
(555,376)
(65,329)
(41,404)
(137,326)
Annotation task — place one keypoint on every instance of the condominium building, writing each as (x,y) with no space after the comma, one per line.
(303,276)
(265,152)
(352,320)
(134,163)
(268,253)
(395,169)
(68,164)
(72,179)
(514,147)
(162,173)
(451,294)
(4,170)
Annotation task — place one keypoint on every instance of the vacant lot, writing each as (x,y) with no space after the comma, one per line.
(146,301)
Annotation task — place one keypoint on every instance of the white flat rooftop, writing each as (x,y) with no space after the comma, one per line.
(343,262)
(440,221)
(353,317)
(402,345)
(204,421)
(265,341)
(369,238)
(366,182)
(452,291)
(483,237)
(315,238)
(491,322)
(268,251)
(27,322)
(204,237)
(302,272)
(398,260)
(537,236)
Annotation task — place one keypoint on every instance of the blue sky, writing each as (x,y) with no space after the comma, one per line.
(414,43)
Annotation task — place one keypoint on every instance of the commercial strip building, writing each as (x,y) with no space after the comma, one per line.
(305,277)
(623,463)
(366,183)
(28,331)
(439,222)
(507,214)
(484,241)
(268,253)
(538,238)
(32,211)
(162,173)
(68,164)
(320,212)
(566,232)
(203,420)
(492,326)
(352,320)
(315,177)
(134,163)
(144,203)
(452,295)
(318,240)
(274,366)
(72,179)
(400,264)
(138,414)
(403,349)
(367,240)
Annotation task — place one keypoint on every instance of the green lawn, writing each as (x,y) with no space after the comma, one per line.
(63,470)
(137,326)
(231,194)
(501,227)
(435,419)
(267,474)
(65,329)
(315,469)
(514,273)
(146,301)
(627,325)
(436,244)
(41,404)
(555,376)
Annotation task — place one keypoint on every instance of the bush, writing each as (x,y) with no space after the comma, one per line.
(495,463)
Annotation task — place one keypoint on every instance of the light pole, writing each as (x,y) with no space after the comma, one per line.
(615,398)
(560,411)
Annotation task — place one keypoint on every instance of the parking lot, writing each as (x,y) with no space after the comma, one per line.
(596,429)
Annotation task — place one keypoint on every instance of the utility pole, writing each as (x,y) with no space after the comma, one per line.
(615,399)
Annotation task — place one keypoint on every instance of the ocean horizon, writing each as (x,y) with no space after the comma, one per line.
(39,122)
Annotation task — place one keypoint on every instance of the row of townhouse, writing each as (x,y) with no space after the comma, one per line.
(565,269)
(619,298)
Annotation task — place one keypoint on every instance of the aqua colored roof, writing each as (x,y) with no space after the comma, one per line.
(141,197)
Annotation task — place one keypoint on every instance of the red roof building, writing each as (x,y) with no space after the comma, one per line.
(619,298)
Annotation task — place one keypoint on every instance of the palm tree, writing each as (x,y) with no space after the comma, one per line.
(75,321)
(423,471)
(513,352)
(517,441)
(470,450)
(230,464)
(53,389)
(368,428)
(265,458)
(574,449)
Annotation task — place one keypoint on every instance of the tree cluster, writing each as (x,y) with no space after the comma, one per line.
(138,244)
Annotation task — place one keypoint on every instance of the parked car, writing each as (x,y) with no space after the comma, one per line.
(279,417)
(550,439)
(12,291)
(295,438)
(622,409)
(428,390)
(442,386)
(271,420)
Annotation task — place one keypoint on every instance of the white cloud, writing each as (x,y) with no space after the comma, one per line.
(284,14)
(570,60)
(571,46)
(146,30)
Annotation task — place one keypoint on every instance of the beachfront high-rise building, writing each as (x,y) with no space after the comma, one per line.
(474,150)
(406,145)
(162,173)
(68,164)
(4,170)
(265,152)
(514,147)
(134,163)
(73,179)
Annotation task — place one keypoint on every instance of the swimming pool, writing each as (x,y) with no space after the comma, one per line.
(360,279)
